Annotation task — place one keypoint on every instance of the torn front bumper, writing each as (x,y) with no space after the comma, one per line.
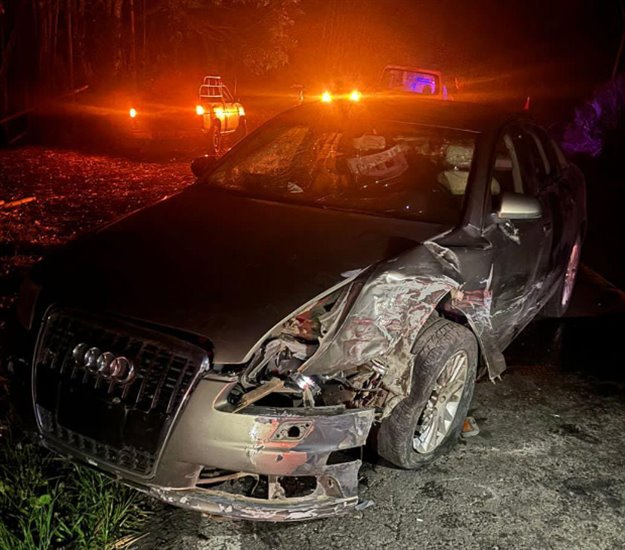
(336,493)
(281,444)
(273,446)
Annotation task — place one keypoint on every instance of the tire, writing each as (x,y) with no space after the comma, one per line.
(214,139)
(559,303)
(440,348)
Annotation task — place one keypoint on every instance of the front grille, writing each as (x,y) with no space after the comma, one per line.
(128,457)
(124,425)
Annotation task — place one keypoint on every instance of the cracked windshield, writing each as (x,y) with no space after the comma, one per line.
(352,162)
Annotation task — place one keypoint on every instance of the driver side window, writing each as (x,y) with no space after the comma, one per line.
(509,170)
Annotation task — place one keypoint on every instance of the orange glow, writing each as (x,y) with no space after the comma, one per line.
(219,113)
(199,110)
(132,112)
(241,110)
(355,96)
(326,97)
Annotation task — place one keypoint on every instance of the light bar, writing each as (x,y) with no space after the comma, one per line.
(355,96)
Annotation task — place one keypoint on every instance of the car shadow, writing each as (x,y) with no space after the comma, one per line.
(586,341)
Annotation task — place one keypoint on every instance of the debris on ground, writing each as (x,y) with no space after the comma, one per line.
(470,428)
(364,504)
(19,202)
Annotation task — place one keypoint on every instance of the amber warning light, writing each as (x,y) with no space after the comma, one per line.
(355,96)
(133,112)
(220,113)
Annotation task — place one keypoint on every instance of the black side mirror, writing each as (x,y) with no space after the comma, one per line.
(202,165)
(514,206)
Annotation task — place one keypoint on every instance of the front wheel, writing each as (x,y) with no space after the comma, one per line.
(428,422)
(214,139)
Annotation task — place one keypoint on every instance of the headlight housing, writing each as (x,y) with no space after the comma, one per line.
(289,346)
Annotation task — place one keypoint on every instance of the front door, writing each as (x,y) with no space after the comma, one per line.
(521,255)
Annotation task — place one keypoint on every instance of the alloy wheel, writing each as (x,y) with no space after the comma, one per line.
(442,406)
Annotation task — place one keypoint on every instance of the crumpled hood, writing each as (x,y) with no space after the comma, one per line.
(222,266)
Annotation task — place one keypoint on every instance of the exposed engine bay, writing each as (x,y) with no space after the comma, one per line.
(276,375)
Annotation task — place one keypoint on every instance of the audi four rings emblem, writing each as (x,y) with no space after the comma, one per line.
(116,368)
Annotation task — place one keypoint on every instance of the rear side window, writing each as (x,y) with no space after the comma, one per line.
(539,156)
(555,157)
(563,163)
(557,160)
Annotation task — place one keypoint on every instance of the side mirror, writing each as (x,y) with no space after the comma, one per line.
(514,206)
(202,165)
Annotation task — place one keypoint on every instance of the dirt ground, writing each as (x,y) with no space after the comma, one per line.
(546,471)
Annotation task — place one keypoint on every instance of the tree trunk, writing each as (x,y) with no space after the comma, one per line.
(70,43)
(117,35)
(133,42)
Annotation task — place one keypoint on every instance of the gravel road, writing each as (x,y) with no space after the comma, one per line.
(546,471)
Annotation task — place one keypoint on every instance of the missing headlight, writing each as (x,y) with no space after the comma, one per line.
(275,375)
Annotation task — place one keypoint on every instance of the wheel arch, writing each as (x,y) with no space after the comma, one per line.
(391,310)
(473,310)
(445,310)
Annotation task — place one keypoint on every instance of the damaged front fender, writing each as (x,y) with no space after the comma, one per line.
(362,353)
(391,309)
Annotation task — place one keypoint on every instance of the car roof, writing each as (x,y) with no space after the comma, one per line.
(457,115)
(473,117)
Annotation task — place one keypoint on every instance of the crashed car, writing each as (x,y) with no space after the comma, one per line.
(341,276)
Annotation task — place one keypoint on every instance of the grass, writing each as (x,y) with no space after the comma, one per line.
(49,502)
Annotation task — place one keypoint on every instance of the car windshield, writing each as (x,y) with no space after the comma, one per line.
(346,159)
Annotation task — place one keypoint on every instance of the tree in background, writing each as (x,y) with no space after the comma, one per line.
(234,35)
(51,46)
